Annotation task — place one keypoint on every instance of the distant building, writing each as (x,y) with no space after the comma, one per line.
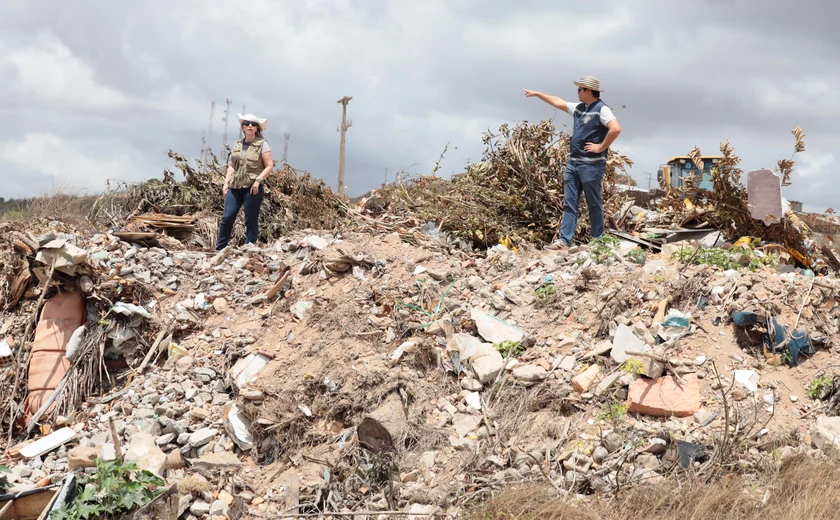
(795,206)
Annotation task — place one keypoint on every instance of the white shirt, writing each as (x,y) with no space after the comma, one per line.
(606,112)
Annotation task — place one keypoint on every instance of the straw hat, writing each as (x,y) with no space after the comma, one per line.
(589,82)
(251,117)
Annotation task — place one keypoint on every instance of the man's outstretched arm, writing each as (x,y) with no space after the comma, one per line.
(554,101)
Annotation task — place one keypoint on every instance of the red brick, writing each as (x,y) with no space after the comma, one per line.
(664,396)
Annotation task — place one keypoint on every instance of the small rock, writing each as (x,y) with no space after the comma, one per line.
(218,508)
(529,373)
(582,382)
(214,462)
(80,457)
(793,399)
(599,454)
(163,440)
(202,437)
(469,383)
(199,508)
(612,441)
(184,364)
(220,305)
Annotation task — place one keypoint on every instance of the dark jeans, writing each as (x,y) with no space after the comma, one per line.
(586,178)
(234,200)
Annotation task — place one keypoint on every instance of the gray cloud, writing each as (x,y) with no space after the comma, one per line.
(112,84)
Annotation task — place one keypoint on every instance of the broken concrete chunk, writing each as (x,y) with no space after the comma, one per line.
(665,397)
(625,339)
(606,383)
(315,242)
(494,330)
(143,450)
(246,369)
(464,424)
(529,373)
(487,364)
(648,367)
(81,457)
(216,462)
(583,382)
(825,434)
(202,437)
(301,310)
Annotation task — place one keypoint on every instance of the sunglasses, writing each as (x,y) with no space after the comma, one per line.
(250,123)
(581,88)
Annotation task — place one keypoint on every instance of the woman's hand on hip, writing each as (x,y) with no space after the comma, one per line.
(225,189)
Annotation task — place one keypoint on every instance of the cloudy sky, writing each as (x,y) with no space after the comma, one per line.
(97,90)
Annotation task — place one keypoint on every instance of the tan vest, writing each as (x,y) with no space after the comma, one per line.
(247,170)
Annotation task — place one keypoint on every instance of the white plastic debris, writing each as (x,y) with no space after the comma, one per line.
(238,426)
(405,348)
(246,369)
(748,379)
(474,400)
(75,343)
(128,309)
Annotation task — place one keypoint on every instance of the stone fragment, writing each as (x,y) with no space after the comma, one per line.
(582,382)
(529,373)
(625,339)
(80,457)
(203,436)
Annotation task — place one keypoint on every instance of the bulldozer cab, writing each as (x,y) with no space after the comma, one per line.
(674,172)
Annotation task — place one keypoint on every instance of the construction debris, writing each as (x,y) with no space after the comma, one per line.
(417,353)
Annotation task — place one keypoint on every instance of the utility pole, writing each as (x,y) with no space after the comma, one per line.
(286,138)
(345,124)
(650,177)
(225,119)
(386,178)
(206,156)
(240,126)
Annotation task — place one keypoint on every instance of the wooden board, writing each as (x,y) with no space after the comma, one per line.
(27,507)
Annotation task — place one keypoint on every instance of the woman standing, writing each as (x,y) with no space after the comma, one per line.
(250,164)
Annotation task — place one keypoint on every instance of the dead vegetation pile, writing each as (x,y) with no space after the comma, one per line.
(801,488)
(515,192)
(293,200)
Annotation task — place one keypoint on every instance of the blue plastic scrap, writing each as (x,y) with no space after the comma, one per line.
(777,339)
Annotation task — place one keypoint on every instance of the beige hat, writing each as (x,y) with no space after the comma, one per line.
(589,82)
(251,117)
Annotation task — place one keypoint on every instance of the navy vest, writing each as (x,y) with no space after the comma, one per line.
(588,129)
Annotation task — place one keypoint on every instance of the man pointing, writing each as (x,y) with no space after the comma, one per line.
(595,129)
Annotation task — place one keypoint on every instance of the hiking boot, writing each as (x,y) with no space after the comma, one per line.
(557,245)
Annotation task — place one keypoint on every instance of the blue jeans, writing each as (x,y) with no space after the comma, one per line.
(588,178)
(234,200)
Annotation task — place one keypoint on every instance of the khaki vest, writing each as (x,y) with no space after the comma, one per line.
(247,170)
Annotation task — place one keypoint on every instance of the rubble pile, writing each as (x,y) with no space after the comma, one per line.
(393,367)
(356,371)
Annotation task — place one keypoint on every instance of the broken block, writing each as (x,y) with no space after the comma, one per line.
(665,397)
(582,382)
